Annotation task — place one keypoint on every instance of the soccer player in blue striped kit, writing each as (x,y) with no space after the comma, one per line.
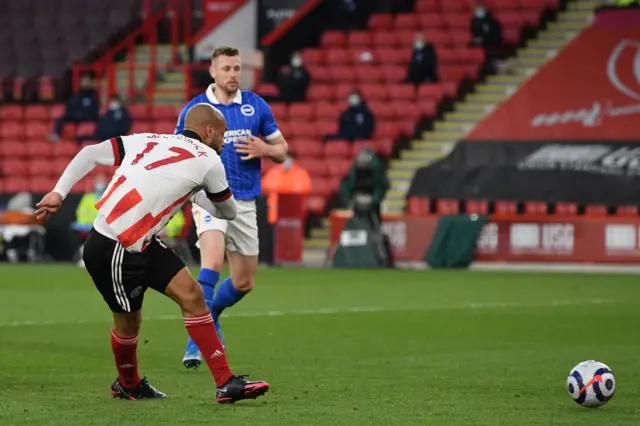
(247,115)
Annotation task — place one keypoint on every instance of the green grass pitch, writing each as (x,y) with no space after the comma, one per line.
(338,347)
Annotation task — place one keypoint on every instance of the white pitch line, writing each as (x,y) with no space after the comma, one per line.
(339,311)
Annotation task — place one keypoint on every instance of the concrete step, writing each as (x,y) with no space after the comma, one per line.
(486,98)
(530,62)
(422,156)
(316,243)
(474,107)
(575,15)
(400,173)
(554,44)
(464,117)
(439,146)
(454,126)
(585,5)
(320,233)
(505,79)
(412,164)
(568,25)
(532,52)
(451,136)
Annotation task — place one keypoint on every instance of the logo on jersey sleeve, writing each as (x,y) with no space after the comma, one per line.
(230,136)
(247,110)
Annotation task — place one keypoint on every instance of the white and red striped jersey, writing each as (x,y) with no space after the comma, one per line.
(157,174)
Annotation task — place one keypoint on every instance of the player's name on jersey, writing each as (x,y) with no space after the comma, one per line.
(231,136)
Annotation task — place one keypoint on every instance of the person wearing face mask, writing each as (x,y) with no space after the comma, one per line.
(486,31)
(423,67)
(84,106)
(293,81)
(357,121)
(286,178)
(116,121)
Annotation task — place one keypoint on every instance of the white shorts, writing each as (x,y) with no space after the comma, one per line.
(241,233)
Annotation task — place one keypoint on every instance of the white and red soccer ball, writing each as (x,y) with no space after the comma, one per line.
(591,384)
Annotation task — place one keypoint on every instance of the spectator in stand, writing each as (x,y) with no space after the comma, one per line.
(115,122)
(486,31)
(84,106)
(293,81)
(423,67)
(286,178)
(357,121)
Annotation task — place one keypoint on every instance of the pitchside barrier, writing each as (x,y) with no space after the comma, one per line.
(519,238)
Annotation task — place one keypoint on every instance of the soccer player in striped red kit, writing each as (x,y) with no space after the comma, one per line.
(248,116)
(157,174)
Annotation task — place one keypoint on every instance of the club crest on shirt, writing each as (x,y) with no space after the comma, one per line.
(247,110)
(230,136)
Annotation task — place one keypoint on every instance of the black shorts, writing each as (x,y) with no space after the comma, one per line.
(123,277)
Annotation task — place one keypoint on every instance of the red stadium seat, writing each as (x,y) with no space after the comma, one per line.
(300,111)
(86,129)
(364,56)
(406,38)
(313,166)
(384,147)
(431,22)
(279,110)
(327,110)
(41,184)
(37,130)
(65,149)
(344,90)
(449,6)
(566,209)
(428,6)
(15,167)
(535,207)
(333,39)
(316,204)
(461,38)
(628,211)
(393,73)
(432,92)
(452,73)
(458,21)
(265,89)
(337,148)
(13,149)
(165,112)
(384,38)
(450,89)
(473,56)
(300,129)
(340,73)
(404,110)
(57,111)
(11,130)
(407,21)
(381,110)
(11,112)
(144,127)
(367,74)
(506,207)
(140,112)
(359,39)
(313,56)
(36,112)
(477,207)
(15,184)
(69,131)
(38,167)
(164,127)
(339,167)
(532,18)
(325,127)
(37,149)
(511,36)
(321,92)
(381,21)
(440,38)
(447,207)
(320,186)
(446,56)
(359,144)
(387,129)
(305,148)
(373,92)
(418,206)
(338,57)
(596,210)
(393,57)
(402,91)
(59,166)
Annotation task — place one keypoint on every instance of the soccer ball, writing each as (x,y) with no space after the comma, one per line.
(591,384)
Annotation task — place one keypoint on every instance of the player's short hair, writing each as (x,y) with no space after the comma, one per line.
(225,51)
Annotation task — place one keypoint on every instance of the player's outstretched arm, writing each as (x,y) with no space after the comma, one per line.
(83,163)
(226,209)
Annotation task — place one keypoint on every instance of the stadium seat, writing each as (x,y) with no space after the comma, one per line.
(140,112)
(65,149)
(596,210)
(11,130)
(144,127)
(477,207)
(59,165)
(316,204)
(69,131)
(457,21)
(406,38)
(506,207)
(57,111)
(313,57)
(373,92)
(381,110)
(446,206)
(340,73)
(338,57)
(308,148)
(404,92)
(321,92)
(452,73)
(15,167)
(164,127)
(360,144)
(368,74)
(431,22)
(301,129)
(165,112)
(384,147)
(365,55)
(36,112)
(41,184)
(326,127)
(431,91)
(381,21)
(566,209)
(359,39)
(327,110)
(337,149)
(41,148)
(536,207)
(387,129)
(628,211)
(14,184)
(339,167)
(265,89)
(333,39)
(393,74)
(39,167)
(13,149)
(428,109)
(407,21)
(11,112)
(86,129)
(418,206)
(313,166)
(405,110)
(446,56)
(441,38)
(384,39)
(320,186)
(300,111)
(461,38)
(429,6)
(279,110)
